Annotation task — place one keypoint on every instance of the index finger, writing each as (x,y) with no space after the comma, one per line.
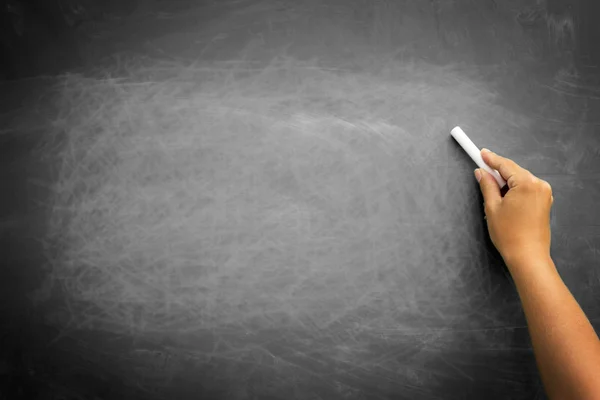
(505,166)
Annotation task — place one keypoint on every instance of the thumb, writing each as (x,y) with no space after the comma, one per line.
(489,187)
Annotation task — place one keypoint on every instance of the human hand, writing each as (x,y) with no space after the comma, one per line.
(519,222)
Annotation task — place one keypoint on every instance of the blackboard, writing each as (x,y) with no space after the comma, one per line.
(385,286)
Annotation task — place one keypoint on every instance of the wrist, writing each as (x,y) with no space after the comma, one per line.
(532,260)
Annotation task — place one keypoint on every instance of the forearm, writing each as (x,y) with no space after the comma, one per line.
(566,347)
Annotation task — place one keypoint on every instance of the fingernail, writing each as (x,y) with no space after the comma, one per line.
(484,150)
(478,174)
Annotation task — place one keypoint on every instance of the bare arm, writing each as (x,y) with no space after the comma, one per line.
(566,347)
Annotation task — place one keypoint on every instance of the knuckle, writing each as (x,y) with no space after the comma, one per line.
(528,180)
(545,189)
(545,186)
(532,179)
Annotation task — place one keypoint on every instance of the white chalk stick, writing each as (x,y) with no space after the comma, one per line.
(461,137)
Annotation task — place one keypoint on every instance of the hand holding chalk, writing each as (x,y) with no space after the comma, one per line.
(461,137)
(519,221)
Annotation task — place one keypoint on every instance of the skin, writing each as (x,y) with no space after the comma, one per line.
(565,344)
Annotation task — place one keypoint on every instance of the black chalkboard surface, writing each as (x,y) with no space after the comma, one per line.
(283,214)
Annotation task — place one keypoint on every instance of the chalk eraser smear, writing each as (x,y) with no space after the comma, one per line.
(467,144)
